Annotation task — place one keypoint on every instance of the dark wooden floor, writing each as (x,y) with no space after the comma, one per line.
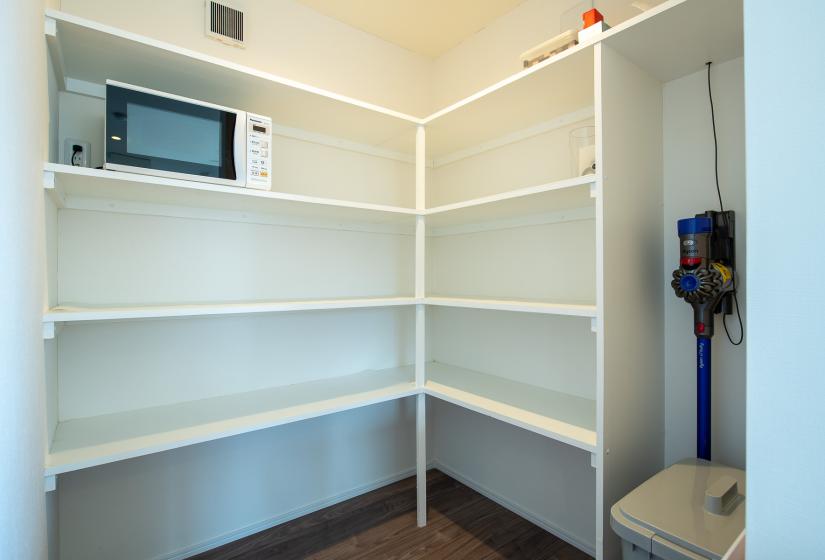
(462,525)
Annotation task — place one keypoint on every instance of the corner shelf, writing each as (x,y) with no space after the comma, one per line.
(71,187)
(72,313)
(88,313)
(559,416)
(556,196)
(569,309)
(524,102)
(88,442)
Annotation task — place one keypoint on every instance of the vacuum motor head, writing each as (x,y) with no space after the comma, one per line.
(705,273)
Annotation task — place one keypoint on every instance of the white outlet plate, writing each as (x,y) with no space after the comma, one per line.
(83,158)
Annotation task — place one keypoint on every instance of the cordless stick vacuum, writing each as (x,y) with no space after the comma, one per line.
(704,279)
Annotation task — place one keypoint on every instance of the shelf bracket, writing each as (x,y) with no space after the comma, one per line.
(48,179)
(50,27)
(50,188)
(48,331)
(594,460)
(594,325)
(594,189)
(50,483)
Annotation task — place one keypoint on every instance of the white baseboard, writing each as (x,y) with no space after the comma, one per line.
(283,518)
(574,540)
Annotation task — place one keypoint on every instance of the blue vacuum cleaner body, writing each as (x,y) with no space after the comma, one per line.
(705,280)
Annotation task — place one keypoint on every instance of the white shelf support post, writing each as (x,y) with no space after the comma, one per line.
(421,459)
(420,324)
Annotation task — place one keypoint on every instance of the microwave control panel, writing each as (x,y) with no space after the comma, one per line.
(258,152)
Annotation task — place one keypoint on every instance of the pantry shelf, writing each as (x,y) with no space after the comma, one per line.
(574,310)
(87,442)
(566,418)
(76,313)
(84,188)
(556,196)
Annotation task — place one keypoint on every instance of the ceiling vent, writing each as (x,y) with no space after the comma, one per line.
(224,23)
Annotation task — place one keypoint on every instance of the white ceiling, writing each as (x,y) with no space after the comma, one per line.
(428,27)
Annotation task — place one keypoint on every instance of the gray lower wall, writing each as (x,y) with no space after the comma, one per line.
(172,504)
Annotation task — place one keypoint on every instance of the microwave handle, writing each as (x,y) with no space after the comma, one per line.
(239,148)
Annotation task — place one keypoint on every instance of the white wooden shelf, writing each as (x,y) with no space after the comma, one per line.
(73,313)
(88,442)
(559,416)
(678,37)
(84,313)
(573,310)
(87,53)
(523,104)
(85,188)
(556,196)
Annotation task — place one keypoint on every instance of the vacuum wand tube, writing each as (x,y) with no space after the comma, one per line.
(704,279)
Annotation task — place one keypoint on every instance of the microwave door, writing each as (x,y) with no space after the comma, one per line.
(158,135)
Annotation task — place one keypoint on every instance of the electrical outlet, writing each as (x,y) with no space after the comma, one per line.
(77,153)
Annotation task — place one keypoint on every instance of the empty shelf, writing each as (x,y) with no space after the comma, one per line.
(575,310)
(550,197)
(66,183)
(559,416)
(87,442)
(559,86)
(67,313)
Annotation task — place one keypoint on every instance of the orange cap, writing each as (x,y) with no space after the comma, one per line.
(591,17)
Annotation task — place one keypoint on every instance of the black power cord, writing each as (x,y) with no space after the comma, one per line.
(724,216)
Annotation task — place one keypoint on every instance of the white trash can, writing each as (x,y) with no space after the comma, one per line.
(692,510)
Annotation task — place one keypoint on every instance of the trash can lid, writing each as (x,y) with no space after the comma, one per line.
(692,509)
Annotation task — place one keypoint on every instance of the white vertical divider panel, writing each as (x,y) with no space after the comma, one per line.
(597,323)
(420,331)
(630,288)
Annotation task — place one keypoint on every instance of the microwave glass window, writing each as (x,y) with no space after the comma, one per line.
(160,133)
(151,131)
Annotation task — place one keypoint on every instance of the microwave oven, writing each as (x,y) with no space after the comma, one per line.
(161,134)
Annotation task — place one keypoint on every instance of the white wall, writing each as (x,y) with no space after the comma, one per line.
(23,145)
(224,261)
(689,189)
(288,39)
(784,81)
